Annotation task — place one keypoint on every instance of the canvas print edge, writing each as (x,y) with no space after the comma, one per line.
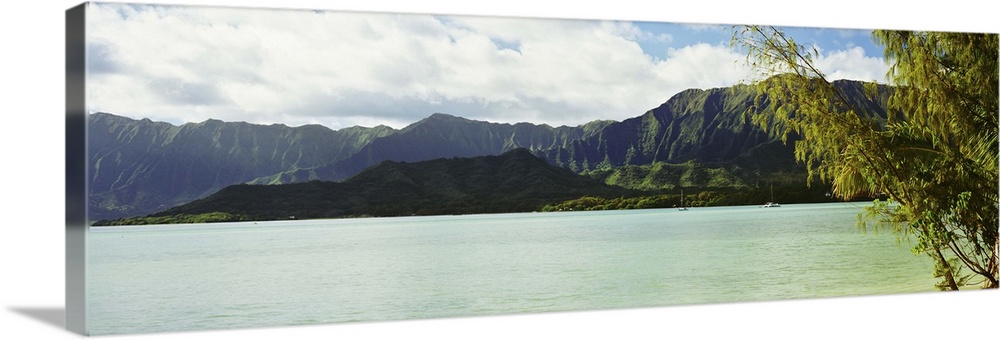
(76,169)
(68,193)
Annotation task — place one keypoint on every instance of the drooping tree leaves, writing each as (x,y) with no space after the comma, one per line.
(933,150)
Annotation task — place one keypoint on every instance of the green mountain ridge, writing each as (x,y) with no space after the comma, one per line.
(515,181)
(443,135)
(139,167)
(708,126)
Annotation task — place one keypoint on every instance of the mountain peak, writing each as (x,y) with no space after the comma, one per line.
(518,153)
(443,116)
(438,118)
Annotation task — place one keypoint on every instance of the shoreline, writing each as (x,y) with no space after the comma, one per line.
(360,218)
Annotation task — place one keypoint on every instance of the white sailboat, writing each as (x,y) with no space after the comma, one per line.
(772,203)
(682,207)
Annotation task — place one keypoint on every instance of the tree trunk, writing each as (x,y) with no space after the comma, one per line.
(947,270)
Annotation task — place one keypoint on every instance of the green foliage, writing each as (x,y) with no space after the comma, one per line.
(590,203)
(692,174)
(180,218)
(930,144)
(693,197)
(661,175)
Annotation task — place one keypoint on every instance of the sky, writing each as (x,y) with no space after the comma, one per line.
(339,69)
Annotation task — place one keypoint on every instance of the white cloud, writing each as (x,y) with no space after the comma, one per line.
(183,64)
(703,66)
(852,64)
(633,32)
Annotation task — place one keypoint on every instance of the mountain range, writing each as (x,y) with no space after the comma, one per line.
(138,167)
(515,181)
